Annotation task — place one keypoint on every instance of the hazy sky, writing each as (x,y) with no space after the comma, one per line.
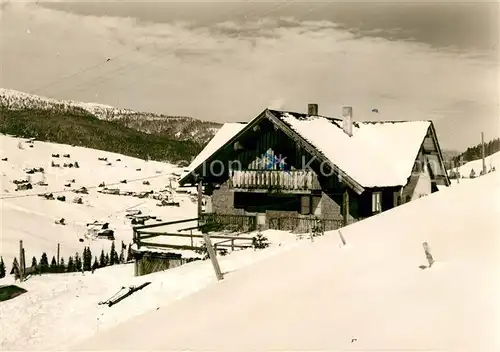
(229,60)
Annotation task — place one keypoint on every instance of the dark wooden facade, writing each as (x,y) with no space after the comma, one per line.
(271,173)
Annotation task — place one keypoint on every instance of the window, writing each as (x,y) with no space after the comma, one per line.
(316,205)
(305,205)
(397,199)
(376,202)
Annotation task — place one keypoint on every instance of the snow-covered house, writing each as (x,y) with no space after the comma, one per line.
(296,165)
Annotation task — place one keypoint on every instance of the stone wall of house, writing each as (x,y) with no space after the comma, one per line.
(331,206)
(222,200)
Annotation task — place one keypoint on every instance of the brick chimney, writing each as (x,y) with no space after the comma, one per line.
(347,117)
(312,109)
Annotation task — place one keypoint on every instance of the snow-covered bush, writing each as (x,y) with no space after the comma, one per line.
(260,241)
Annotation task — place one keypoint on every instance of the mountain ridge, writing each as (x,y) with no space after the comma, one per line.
(182,128)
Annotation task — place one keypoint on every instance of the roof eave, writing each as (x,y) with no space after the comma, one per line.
(314,151)
(192,173)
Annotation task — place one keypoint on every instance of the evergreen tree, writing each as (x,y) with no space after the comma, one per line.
(122,253)
(102,260)
(53,265)
(129,253)
(95,265)
(15,269)
(71,265)
(62,267)
(106,259)
(121,259)
(87,259)
(113,255)
(2,268)
(44,263)
(34,265)
(78,262)
(472,174)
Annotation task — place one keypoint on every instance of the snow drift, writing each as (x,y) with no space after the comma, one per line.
(368,295)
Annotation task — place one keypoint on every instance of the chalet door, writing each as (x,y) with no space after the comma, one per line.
(261,219)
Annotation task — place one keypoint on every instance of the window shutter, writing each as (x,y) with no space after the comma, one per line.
(376,202)
(397,199)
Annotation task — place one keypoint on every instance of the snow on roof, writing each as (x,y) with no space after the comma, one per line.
(225,133)
(377,154)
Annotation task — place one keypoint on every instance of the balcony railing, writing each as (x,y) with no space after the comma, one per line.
(293,180)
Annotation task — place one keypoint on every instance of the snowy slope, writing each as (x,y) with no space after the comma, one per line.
(491,161)
(61,309)
(368,295)
(28,217)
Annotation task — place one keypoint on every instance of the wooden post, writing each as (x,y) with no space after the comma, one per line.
(483,153)
(136,267)
(200,195)
(342,238)
(58,251)
(191,233)
(21,274)
(311,234)
(213,258)
(137,238)
(24,262)
(428,254)
(345,207)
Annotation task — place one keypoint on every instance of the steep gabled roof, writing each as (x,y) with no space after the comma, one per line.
(223,135)
(378,154)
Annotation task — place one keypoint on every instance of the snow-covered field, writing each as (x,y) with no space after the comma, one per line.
(28,217)
(370,295)
(295,295)
(61,309)
(477,165)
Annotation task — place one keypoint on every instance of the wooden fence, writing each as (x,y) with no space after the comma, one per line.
(292,180)
(230,222)
(304,224)
(148,259)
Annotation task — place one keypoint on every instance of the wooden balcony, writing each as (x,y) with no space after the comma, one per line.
(279,180)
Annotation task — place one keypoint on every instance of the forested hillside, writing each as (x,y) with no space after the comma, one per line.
(78,127)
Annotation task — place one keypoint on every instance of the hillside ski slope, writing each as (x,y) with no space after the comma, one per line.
(31,218)
(492,160)
(368,295)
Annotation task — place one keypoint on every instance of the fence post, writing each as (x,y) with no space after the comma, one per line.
(213,258)
(191,233)
(21,274)
(345,209)
(428,254)
(137,237)
(24,263)
(200,195)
